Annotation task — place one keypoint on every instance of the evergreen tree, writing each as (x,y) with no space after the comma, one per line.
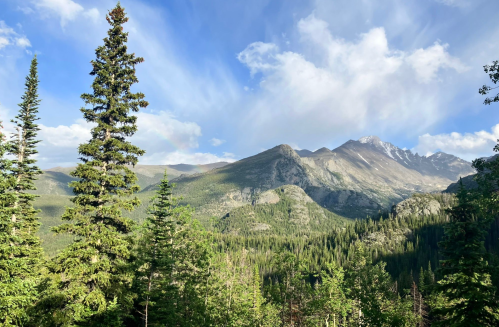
(20,249)
(172,258)
(156,261)
(330,306)
(91,276)
(375,296)
(466,286)
(12,310)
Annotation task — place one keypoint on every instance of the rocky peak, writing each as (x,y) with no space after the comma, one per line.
(283,149)
(438,164)
(322,151)
(371,139)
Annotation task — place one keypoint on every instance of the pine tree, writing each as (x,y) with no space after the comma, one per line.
(466,285)
(172,258)
(21,252)
(331,305)
(12,312)
(91,276)
(156,260)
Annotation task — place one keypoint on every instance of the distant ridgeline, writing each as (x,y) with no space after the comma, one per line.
(281,191)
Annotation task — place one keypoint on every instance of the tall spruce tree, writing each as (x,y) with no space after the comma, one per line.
(466,286)
(20,249)
(92,279)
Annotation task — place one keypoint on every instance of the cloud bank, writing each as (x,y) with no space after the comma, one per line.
(468,146)
(332,87)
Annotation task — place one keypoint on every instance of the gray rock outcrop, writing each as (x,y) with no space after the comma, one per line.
(417,205)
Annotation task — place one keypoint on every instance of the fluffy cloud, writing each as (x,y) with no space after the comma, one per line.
(258,56)
(427,62)
(23,42)
(467,146)
(67,10)
(216,142)
(65,136)
(5,30)
(9,37)
(3,42)
(335,87)
(165,139)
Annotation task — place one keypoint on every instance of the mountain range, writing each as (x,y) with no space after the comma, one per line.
(354,180)
(359,178)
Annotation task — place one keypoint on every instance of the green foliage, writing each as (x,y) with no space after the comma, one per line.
(289,216)
(91,276)
(466,285)
(172,261)
(493,72)
(20,249)
(330,303)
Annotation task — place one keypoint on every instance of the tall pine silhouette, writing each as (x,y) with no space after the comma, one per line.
(20,249)
(92,281)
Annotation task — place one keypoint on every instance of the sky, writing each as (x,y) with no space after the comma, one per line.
(227,79)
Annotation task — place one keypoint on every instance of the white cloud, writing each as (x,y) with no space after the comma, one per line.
(342,87)
(92,14)
(216,142)
(164,138)
(9,37)
(258,56)
(65,136)
(155,132)
(427,62)
(179,157)
(23,42)
(468,146)
(5,30)
(67,10)
(3,42)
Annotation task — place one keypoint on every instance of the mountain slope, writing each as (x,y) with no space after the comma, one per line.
(355,179)
(55,180)
(282,211)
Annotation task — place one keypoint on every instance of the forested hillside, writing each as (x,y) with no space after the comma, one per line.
(355,236)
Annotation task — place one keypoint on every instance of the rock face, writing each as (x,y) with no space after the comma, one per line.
(419,206)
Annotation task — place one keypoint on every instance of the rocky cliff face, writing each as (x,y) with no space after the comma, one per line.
(418,206)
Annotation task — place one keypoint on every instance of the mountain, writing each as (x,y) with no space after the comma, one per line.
(282,211)
(358,178)
(438,164)
(55,180)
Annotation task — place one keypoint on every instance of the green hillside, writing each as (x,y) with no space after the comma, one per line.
(287,210)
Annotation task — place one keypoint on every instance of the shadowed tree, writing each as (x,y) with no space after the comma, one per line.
(466,284)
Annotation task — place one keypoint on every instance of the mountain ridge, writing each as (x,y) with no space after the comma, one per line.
(356,179)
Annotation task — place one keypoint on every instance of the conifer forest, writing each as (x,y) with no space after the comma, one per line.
(165,266)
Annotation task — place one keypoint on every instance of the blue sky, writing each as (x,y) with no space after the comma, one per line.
(228,79)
